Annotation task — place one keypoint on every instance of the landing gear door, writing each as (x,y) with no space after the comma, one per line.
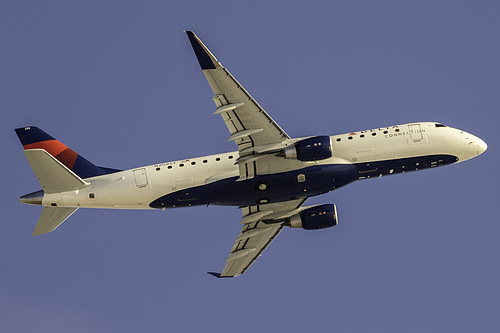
(415,133)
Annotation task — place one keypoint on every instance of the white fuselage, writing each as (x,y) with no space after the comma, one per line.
(377,152)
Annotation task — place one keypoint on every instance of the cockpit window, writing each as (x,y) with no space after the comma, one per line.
(440,125)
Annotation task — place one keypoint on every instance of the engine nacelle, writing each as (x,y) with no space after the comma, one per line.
(316,217)
(311,149)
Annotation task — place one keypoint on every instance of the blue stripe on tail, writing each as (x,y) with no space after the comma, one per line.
(34,138)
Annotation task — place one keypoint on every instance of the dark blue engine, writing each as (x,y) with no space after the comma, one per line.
(316,217)
(312,149)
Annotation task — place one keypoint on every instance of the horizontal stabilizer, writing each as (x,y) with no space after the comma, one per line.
(52,174)
(51,218)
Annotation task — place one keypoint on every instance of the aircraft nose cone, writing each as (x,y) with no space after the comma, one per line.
(482,146)
(476,145)
(469,146)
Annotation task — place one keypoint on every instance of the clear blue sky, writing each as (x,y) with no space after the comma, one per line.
(117,81)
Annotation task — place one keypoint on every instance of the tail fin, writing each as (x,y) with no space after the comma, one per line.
(51,218)
(34,138)
(58,169)
(53,177)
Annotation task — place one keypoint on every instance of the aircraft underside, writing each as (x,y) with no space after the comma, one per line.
(293,185)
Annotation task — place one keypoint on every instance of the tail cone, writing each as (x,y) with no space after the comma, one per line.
(34,198)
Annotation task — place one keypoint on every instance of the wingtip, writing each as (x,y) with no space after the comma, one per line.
(206,59)
(218,275)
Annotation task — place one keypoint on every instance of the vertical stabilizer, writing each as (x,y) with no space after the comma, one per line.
(34,138)
(51,218)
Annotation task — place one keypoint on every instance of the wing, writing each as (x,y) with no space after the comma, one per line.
(256,235)
(249,126)
(248,123)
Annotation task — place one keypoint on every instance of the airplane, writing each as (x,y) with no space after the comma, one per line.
(269,177)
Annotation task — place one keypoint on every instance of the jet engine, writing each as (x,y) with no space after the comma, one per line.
(315,217)
(311,149)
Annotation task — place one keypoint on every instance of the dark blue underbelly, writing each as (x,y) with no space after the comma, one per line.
(293,185)
(262,189)
(402,165)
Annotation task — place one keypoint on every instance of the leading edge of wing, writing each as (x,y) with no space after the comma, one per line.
(206,59)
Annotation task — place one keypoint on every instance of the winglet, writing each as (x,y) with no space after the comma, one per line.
(205,57)
(218,275)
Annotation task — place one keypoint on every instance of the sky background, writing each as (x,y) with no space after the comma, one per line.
(118,82)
